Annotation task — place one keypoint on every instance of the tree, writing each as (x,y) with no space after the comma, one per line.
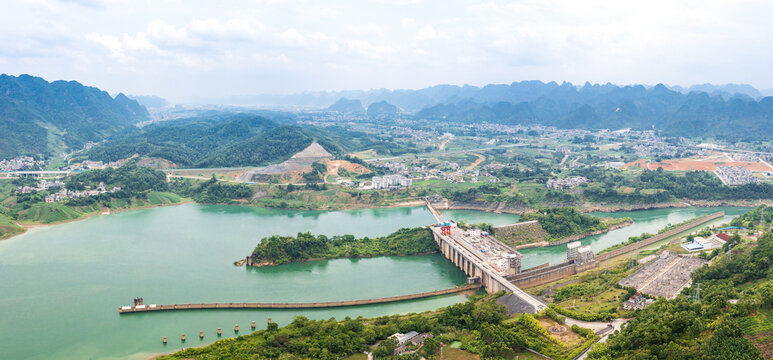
(430,348)
(385,350)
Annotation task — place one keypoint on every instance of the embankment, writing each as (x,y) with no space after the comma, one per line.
(659,237)
(591,233)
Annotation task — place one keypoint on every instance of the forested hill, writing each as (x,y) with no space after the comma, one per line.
(41,118)
(234,139)
(612,107)
(214,140)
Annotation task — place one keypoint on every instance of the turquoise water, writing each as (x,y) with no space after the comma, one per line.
(643,221)
(61,286)
(477,217)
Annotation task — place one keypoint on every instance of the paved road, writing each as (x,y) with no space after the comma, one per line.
(597,326)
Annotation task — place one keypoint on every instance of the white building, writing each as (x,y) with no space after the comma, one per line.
(390,181)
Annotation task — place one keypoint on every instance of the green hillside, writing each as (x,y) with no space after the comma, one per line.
(40,118)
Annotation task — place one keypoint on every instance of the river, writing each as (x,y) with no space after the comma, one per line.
(61,286)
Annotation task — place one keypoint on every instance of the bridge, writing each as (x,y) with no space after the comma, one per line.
(434,211)
(315,305)
(38,172)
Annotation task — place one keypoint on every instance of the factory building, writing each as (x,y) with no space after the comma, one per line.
(580,254)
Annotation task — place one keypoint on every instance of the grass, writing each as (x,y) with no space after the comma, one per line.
(450,353)
(45,213)
(758,323)
(8,228)
(49,213)
(357,357)
(526,355)
(605,298)
(606,301)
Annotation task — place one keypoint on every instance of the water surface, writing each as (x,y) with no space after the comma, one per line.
(61,286)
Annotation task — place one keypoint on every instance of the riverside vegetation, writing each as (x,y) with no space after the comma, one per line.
(563,222)
(139,187)
(645,236)
(714,327)
(481,325)
(277,250)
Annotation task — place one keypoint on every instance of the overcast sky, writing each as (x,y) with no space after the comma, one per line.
(176,48)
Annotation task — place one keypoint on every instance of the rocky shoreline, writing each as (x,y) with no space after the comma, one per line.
(243,262)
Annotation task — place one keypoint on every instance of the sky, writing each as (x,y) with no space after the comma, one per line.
(178,49)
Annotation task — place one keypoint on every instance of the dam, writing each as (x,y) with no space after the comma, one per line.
(484,259)
(314,305)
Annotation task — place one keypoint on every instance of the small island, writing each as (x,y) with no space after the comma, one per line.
(556,226)
(278,250)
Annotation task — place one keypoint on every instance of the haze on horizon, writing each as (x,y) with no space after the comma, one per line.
(178,49)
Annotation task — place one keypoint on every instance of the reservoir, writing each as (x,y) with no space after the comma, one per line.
(61,286)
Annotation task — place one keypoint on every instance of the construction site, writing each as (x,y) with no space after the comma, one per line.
(665,276)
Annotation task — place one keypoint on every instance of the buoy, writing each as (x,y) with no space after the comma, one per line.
(253,324)
(236,328)
(201,334)
(182,337)
(219,331)
(164,339)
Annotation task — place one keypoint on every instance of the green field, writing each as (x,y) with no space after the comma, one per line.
(761,322)
(45,213)
(450,353)
(8,228)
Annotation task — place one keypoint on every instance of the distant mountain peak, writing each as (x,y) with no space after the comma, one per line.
(37,116)
(345,105)
(382,108)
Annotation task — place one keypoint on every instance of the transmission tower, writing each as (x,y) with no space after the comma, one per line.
(698,292)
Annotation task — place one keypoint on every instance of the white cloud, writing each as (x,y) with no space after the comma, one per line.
(112,43)
(428,32)
(118,47)
(366,48)
(281,58)
(166,34)
(229,29)
(173,42)
(367,29)
(293,37)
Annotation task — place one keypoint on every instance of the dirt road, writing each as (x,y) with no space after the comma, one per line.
(481,159)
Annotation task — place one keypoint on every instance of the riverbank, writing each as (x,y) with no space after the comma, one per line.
(576,237)
(242,262)
(612,227)
(185,252)
(497,208)
(500,208)
(86,216)
(277,250)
